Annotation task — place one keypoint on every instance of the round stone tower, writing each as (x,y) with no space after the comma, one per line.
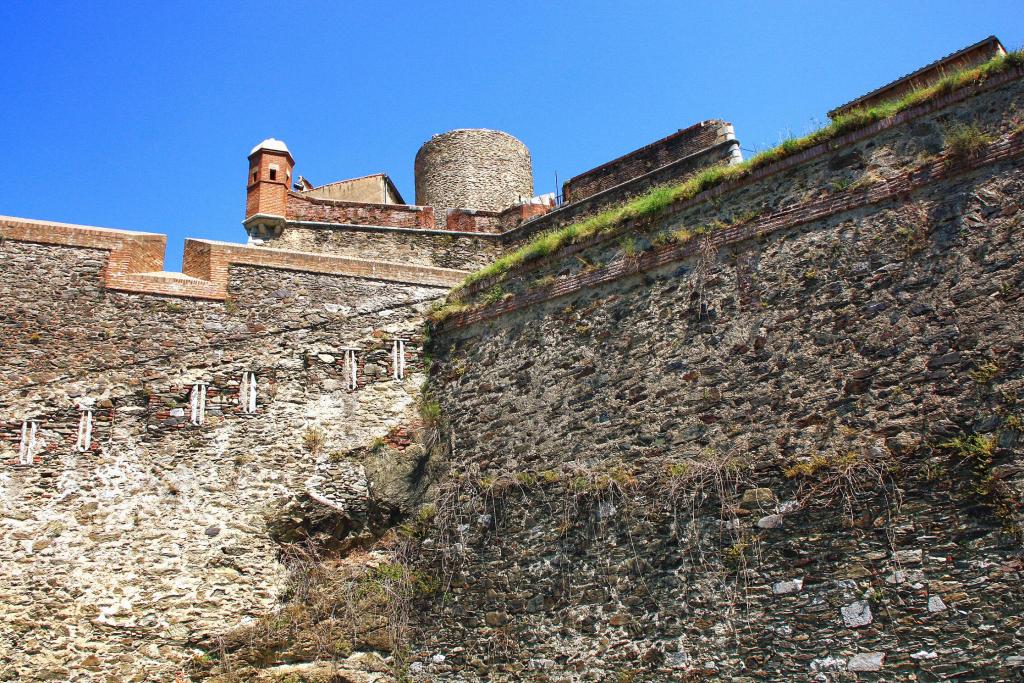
(472,168)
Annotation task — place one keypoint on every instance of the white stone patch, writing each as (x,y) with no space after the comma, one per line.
(787,506)
(84,431)
(29,445)
(935,604)
(791,586)
(866,661)
(857,614)
(913,556)
(770,522)
(828,664)
(197,404)
(247,392)
(896,577)
(924,654)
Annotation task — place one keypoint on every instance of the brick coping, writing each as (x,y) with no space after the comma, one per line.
(136,260)
(1006,148)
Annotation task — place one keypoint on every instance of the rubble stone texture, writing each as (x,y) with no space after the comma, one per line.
(472,168)
(835,372)
(788,451)
(121,562)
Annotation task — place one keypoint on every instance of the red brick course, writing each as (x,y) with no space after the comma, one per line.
(316,210)
(266,196)
(301,208)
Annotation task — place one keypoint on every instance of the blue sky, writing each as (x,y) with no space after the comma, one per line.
(140,114)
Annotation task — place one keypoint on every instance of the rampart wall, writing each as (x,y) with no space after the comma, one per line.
(446,249)
(123,556)
(683,143)
(465,239)
(725,152)
(771,433)
(788,449)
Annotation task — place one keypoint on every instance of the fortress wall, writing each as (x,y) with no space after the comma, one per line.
(630,186)
(683,143)
(121,560)
(439,249)
(734,461)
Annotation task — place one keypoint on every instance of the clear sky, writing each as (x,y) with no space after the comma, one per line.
(140,114)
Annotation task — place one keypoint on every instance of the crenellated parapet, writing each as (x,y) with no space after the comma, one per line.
(135,262)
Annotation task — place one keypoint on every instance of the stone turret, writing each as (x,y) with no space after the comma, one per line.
(472,168)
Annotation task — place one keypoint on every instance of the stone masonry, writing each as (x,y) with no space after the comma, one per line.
(121,559)
(770,433)
(787,452)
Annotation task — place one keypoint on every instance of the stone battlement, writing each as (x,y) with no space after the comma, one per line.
(136,260)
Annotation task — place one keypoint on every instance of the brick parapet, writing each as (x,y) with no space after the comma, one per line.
(1006,148)
(136,260)
(339,214)
(468,220)
(723,152)
(314,209)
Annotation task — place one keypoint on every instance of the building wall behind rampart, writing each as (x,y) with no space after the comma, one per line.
(304,208)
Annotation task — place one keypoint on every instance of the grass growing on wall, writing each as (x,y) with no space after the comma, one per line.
(662,197)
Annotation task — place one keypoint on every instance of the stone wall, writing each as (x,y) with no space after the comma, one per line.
(430,248)
(122,560)
(787,451)
(683,143)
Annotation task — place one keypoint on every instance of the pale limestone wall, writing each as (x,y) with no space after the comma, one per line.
(120,561)
(372,189)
